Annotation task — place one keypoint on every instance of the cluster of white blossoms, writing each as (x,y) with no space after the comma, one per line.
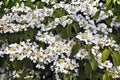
(98,40)
(1,3)
(12,22)
(57,47)
(58,50)
(64,20)
(56,44)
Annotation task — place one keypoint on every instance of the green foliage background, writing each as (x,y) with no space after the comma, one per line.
(88,69)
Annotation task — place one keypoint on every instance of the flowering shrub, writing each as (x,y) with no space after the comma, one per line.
(59,40)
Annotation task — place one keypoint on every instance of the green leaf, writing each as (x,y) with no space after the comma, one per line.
(82,75)
(23,22)
(106,77)
(88,69)
(5,63)
(116,58)
(27,66)
(75,78)
(58,29)
(59,13)
(94,65)
(3,37)
(17,65)
(69,29)
(108,1)
(64,34)
(75,49)
(109,6)
(88,47)
(47,20)
(67,77)
(95,76)
(96,15)
(40,4)
(29,4)
(108,20)
(118,18)
(105,54)
(6,2)
(76,27)
(29,34)
(12,38)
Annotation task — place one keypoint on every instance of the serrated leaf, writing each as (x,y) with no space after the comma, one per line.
(47,20)
(88,69)
(96,15)
(75,49)
(64,34)
(116,58)
(108,20)
(106,77)
(69,29)
(29,4)
(105,54)
(59,13)
(40,4)
(94,65)
(76,27)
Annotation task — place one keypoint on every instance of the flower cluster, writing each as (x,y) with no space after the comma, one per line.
(57,51)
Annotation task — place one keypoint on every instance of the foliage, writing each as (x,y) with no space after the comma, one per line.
(59,39)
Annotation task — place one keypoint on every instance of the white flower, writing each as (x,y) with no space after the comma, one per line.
(87,37)
(15,74)
(1,3)
(46,1)
(32,0)
(82,54)
(107,64)
(103,28)
(95,50)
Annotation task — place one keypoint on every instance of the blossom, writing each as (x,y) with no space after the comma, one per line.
(57,51)
(63,65)
(106,64)
(82,54)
